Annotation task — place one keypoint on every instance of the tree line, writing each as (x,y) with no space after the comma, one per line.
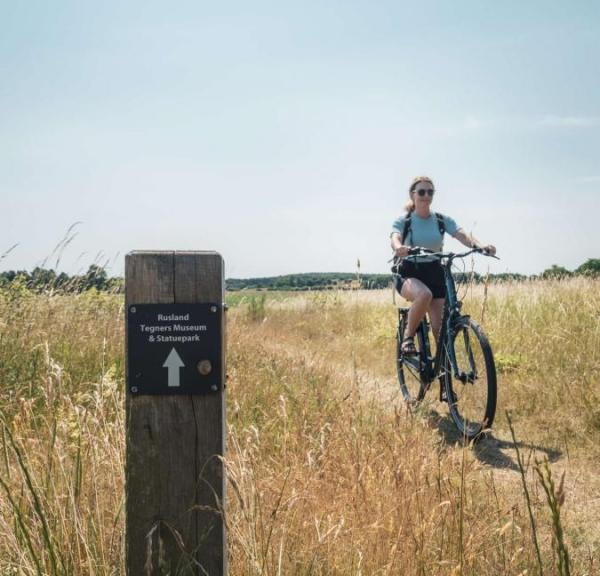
(96,277)
(44,279)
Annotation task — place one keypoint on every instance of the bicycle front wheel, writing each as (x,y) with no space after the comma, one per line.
(471,389)
(409,368)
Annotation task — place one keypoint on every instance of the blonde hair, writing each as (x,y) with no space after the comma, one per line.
(410,205)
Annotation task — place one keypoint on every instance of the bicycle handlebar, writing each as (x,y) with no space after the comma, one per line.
(416,250)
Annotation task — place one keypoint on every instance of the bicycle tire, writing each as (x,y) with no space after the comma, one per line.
(472,393)
(408,369)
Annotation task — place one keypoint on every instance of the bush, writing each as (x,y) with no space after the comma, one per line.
(590,268)
(556,272)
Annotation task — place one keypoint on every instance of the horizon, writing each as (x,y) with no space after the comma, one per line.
(355,272)
(108,264)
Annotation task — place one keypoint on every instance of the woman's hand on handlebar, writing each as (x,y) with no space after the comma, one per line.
(402,251)
(489,249)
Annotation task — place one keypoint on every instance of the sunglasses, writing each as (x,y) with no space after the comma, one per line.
(422,191)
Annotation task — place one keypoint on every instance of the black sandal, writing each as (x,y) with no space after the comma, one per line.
(408,346)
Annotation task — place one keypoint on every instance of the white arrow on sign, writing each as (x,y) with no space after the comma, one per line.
(173,363)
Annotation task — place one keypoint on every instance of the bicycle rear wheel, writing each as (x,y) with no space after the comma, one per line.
(409,368)
(471,392)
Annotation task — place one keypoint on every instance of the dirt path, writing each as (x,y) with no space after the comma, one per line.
(496,453)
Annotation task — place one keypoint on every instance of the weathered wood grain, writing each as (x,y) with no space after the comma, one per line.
(175,481)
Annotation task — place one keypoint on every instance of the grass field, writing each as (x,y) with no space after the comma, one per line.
(329,473)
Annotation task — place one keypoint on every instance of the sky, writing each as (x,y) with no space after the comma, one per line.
(284,135)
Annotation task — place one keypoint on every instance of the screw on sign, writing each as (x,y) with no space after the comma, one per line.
(204,367)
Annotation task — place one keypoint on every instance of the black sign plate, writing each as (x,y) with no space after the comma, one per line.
(174,348)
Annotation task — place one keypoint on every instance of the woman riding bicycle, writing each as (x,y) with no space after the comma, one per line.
(420,279)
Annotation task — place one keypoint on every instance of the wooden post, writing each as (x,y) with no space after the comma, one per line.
(175,481)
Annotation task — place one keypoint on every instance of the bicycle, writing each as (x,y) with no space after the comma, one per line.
(463,364)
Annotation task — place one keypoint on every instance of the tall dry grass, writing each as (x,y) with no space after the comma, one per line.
(61,411)
(328,472)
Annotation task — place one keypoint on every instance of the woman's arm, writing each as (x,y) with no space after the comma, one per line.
(397,247)
(471,242)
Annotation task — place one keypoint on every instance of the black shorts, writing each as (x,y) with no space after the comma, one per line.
(430,273)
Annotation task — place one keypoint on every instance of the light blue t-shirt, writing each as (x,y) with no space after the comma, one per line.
(425,232)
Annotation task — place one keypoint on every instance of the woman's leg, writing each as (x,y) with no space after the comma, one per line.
(416,292)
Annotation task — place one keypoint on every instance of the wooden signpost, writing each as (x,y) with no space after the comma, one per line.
(175,424)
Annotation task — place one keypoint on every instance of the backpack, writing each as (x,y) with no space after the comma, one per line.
(407,225)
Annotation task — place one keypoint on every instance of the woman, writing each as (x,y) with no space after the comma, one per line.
(420,279)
